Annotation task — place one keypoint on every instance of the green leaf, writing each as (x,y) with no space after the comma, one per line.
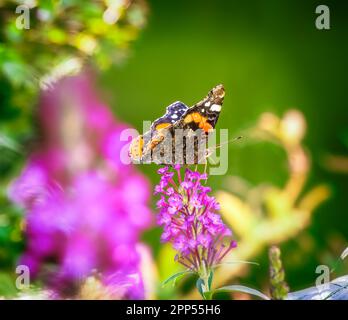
(344,254)
(175,277)
(340,261)
(235,262)
(244,289)
(200,287)
(210,279)
(208,295)
(9,143)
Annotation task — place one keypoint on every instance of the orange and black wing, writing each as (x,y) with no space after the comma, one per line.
(204,114)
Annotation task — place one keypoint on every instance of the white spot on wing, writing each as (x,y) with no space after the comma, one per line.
(215,107)
(207,104)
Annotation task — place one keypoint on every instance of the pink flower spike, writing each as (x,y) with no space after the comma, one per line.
(195,230)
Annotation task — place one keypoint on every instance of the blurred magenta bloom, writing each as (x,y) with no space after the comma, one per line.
(85,209)
(188,216)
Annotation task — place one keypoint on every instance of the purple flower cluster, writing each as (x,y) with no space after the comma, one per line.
(188,216)
(85,209)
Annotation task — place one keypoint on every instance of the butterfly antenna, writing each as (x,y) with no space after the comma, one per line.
(210,151)
(229,141)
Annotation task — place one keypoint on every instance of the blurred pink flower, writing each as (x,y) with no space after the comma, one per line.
(85,209)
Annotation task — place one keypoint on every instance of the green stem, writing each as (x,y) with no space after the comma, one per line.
(206,277)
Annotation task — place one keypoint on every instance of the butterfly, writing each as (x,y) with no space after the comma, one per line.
(174,137)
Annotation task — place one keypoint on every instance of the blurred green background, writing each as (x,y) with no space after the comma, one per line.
(270,58)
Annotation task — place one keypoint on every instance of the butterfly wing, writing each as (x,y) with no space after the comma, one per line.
(173,113)
(204,114)
(143,144)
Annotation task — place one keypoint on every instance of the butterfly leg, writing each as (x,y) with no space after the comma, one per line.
(212,160)
(205,170)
